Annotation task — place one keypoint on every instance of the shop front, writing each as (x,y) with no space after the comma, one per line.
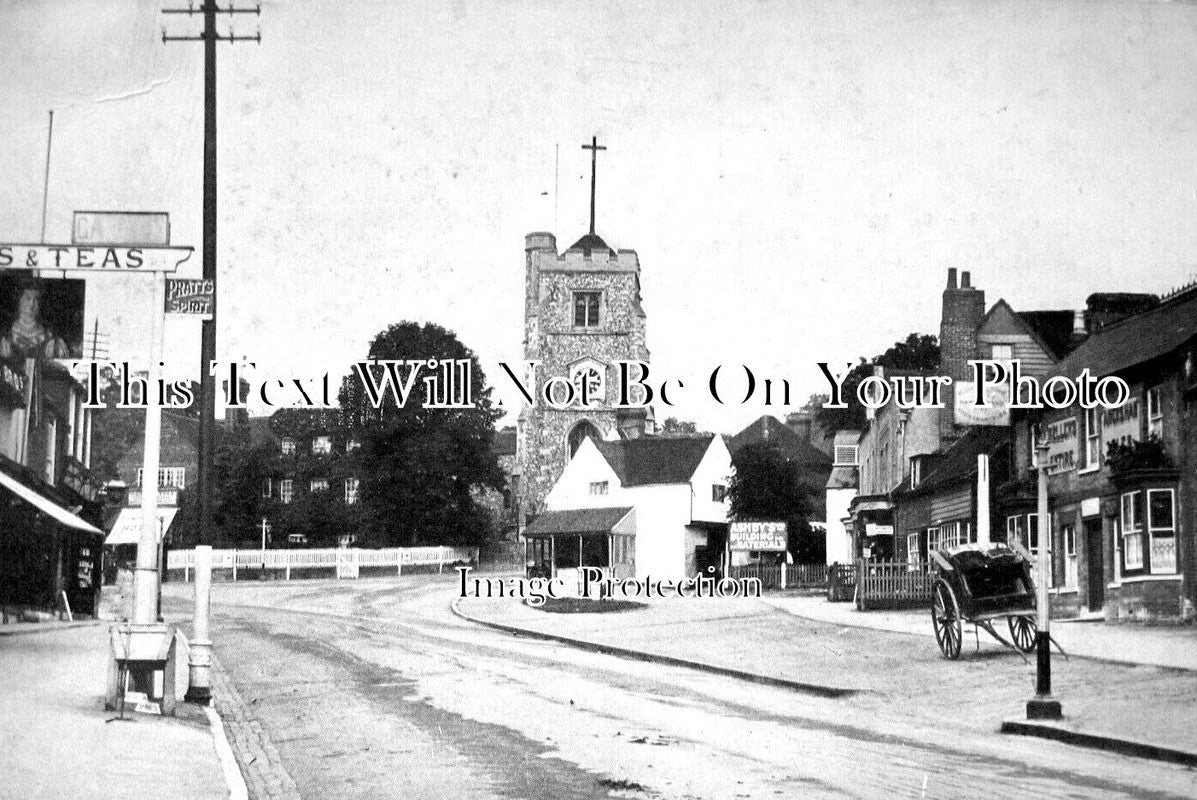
(558,544)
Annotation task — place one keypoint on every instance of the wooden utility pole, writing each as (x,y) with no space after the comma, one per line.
(200,690)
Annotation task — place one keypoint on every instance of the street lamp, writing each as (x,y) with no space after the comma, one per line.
(1043,705)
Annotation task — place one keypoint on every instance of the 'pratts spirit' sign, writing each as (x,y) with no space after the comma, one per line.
(1061,445)
(758,536)
(195,297)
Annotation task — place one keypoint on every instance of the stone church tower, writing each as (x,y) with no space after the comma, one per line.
(582,313)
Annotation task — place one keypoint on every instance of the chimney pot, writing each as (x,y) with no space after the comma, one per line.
(965,280)
(951,277)
(1078,322)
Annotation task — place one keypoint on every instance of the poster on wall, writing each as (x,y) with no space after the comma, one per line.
(40,318)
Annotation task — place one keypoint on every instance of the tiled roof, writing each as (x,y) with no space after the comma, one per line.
(1054,329)
(650,459)
(773,431)
(1136,339)
(578,520)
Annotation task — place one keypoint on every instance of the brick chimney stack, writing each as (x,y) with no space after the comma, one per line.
(963,310)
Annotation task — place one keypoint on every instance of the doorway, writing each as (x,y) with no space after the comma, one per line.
(1095,569)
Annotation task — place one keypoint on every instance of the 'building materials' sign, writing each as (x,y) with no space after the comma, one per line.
(758,536)
(195,297)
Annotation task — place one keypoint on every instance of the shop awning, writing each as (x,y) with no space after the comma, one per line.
(45,504)
(582,520)
(127,529)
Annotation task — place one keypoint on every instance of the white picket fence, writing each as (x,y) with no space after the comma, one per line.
(344,562)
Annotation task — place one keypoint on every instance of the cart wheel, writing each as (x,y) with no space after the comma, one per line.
(945,617)
(1022,631)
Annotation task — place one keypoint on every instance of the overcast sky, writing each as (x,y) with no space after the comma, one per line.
(796,177)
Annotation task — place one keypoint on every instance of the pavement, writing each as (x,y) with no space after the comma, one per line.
(56,739)
(1127,688)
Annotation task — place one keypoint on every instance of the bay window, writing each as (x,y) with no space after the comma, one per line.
(1161,529)
(1131,517)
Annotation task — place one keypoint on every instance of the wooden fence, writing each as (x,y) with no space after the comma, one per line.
(783,576)
(894,584)
(342,562)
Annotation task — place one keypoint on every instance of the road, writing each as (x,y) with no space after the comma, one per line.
(373,688)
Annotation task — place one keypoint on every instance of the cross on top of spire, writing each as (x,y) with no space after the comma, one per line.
(593,147)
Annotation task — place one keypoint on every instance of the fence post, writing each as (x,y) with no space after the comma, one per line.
(186,573)
(783,575)
(287,573)
(234,565)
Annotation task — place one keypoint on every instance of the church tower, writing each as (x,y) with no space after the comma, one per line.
(582,314)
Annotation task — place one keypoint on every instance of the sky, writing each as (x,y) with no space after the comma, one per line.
(796,177)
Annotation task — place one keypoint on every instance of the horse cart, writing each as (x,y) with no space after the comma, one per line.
(982,585)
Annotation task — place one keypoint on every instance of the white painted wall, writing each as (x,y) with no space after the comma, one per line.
(839,543)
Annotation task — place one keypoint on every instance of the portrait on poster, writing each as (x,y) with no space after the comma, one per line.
(40,318)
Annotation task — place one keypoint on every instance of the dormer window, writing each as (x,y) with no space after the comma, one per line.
(586,309)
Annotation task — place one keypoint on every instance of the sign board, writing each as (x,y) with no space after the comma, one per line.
(1061,445)
(143,228)
(194,297)
(93,258)
(876,529)
(758,536)
(1120,425)
(997,395)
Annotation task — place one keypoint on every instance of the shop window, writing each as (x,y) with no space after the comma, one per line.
(1161,529)
(952,534)
(1132,531)
(168,477)
(586,309)
(933,539)
(1155,413)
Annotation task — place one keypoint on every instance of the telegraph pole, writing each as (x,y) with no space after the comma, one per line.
(201,648)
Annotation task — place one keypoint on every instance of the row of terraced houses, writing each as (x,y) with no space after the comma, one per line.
(1122,484)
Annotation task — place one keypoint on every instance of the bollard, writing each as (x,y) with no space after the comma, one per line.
(199,685)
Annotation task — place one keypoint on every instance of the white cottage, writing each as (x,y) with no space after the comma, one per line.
(648,507)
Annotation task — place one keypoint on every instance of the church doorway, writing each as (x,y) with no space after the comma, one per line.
(579,433)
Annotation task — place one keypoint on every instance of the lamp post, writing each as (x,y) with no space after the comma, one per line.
(265,530)
(1043,705)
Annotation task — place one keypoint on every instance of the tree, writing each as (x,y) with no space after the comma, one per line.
(766,486)
(677,427)
(918,352)
(419,465)
(240,467)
